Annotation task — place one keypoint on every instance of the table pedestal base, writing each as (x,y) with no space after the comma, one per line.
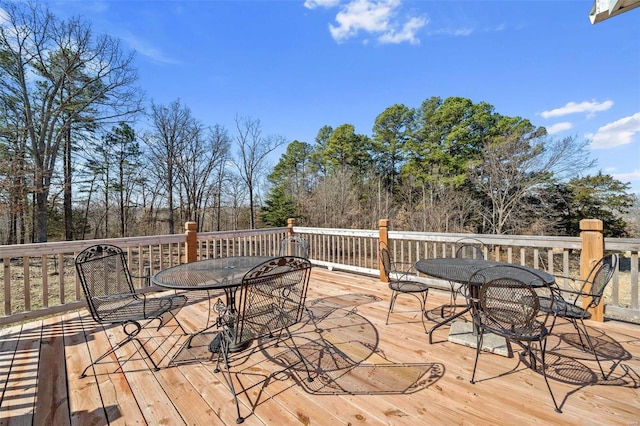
(461,332)
(214,346)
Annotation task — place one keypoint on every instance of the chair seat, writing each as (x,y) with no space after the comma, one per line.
(525,332)
(562,308)
(122,309)
(107,284)
(408,286)
(271,301)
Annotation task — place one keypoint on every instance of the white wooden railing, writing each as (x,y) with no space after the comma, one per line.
(356,251)
(40,279)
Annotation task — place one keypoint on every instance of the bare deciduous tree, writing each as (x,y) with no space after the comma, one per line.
(174,127)
(514,167)
(201,156)
(55,71)
(253,149)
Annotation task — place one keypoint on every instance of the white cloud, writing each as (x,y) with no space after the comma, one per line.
(312,4)
(4,16)
(408,32)
(627,177)
(573,108)
(457,32)
(378,17)
(618,133)
(559,127)
(146,50)
(368,15)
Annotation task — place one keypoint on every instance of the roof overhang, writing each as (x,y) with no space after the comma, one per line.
(605,9)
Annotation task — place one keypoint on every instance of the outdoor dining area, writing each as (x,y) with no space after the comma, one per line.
(278,340)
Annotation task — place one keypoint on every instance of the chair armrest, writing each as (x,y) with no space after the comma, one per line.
(570,294)
(117,297)
(403,269)
(146,278)
(576,285)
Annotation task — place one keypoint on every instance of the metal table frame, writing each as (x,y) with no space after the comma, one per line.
(461,270)
(222,273)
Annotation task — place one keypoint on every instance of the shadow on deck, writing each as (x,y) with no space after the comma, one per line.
(365,372)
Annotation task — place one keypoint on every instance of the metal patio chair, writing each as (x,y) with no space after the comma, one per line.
(112,299)
(568,302)
(271,300)
(400,276)
(294,245)
(510,307)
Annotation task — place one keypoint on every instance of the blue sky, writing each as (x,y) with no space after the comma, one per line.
(299,65)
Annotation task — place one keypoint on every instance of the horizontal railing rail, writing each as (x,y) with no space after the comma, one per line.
(40,279)
(357,251)
(254,242)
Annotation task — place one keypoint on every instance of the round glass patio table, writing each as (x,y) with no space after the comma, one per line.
(222,273)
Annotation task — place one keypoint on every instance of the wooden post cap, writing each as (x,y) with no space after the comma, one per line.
(591,225)
(190,226)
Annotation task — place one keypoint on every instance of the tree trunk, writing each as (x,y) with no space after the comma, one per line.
(41,214)
(68,213)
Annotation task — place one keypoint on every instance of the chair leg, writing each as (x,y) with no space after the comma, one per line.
(224,353)
(424,309)
(422,298)
(394,295)
(543,350)
(453,299)
(478,348)
(574,322)
(592,349)
(300,357)
(131,337)
(106,354)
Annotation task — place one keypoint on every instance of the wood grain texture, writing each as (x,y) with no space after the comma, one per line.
(365,372)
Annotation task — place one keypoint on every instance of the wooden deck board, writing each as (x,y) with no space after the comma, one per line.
(117,396)
(20,391)
(52,403)
(85,403)
(365,372)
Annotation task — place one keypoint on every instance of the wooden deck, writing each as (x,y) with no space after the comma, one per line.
(366,372)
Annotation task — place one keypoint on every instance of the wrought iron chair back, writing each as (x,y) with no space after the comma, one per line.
(401,278)
(103,272)
(567,302)
(509,306)
(599,278)
(294,245)
(272,299)
(112,298)
(469,248)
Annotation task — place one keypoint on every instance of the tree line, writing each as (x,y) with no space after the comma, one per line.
(84,155)
(449,165)
(74,166)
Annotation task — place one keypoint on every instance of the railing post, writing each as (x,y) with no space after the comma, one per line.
(592,251)
(191,241)
(383,238)
(291,222)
